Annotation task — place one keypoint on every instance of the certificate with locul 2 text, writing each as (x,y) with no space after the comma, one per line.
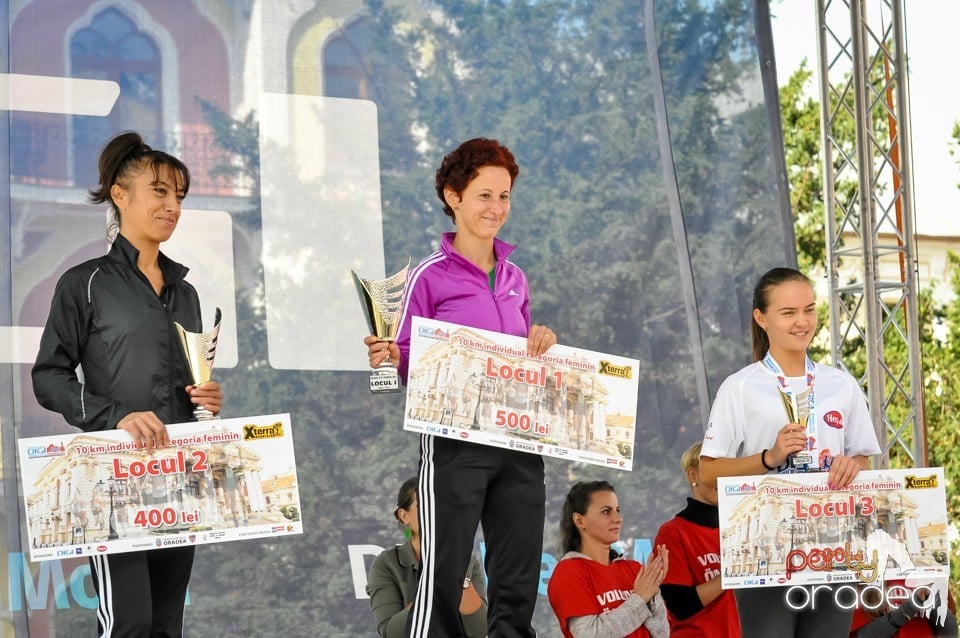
(219,480)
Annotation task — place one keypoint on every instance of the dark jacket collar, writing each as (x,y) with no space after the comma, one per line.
(125,252)
(700,513)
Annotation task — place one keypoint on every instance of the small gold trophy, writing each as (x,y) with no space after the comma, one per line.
(199,349)
(382,300)
(798,412)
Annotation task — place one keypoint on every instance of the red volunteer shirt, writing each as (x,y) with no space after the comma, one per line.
(583,587)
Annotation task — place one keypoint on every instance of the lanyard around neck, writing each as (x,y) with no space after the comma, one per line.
(790,400)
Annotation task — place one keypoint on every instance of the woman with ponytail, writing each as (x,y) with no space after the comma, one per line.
(784,414)
(594,591)
(394,574)
(113,318)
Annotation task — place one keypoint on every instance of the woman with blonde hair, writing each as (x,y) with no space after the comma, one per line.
(696,603)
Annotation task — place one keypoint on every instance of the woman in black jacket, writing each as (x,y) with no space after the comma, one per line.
(114,318)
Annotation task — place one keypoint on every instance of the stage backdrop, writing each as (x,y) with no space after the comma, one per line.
(651,195)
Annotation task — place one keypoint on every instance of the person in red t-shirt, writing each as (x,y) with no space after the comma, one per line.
(594,591)
(696,604)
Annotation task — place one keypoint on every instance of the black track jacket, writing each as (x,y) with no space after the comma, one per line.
(106,317)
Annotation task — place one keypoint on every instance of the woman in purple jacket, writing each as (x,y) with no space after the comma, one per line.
(469,281)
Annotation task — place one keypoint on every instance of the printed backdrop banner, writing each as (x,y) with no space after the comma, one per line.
(218,480)
(482,387)
(312,130)
(793,530)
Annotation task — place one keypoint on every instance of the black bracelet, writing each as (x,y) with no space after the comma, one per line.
(763,460)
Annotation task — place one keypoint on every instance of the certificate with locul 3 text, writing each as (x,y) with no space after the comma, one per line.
(792,529)
(481,387)
(218,480)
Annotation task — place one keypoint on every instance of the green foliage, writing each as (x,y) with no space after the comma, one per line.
(955,142)
(941,390)
(800,119)
(941,374)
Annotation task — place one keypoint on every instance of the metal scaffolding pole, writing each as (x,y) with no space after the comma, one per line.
(868,193)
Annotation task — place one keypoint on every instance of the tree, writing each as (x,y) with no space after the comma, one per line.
(566,85)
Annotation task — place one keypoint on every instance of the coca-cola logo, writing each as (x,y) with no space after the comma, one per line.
(833,419)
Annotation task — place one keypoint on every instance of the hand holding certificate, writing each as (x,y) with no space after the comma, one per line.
(102,493)
(483,387)
(792,529)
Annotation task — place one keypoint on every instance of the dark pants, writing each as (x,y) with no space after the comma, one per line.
(142,593)
(764,613)
(460,485)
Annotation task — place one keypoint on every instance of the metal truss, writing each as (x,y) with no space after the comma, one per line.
(868,188)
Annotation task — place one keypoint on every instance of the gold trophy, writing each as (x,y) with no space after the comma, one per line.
(199,349)
(798,413)
(382,300)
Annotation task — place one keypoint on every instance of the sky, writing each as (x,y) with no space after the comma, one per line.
(932,43)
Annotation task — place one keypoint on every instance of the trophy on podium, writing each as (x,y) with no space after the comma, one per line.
(381,300)
(199,349)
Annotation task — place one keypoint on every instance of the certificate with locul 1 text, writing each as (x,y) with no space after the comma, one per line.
(219,480)
(481,387)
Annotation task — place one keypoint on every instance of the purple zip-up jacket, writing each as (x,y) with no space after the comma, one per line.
(447,287)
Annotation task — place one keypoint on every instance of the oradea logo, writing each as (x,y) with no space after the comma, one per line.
(610,369)
(834,419)
(919,483)
(255,432)
(434,333)
(173,541)
(43,451)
